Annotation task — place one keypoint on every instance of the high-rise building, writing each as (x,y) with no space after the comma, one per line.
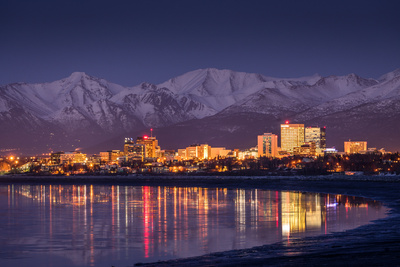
(128,145)
(134,151)
(353,147)
(150,144)
(267,145)
(316,135)
(292,135)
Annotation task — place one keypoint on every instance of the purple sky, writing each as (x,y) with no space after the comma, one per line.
(128,42)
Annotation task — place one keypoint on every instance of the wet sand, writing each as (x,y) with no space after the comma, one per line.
(375,244)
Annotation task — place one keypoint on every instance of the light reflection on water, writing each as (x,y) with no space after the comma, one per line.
(92,225)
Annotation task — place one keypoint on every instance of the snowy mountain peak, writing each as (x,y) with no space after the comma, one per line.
(148,86)
(351,81)
(389,76)
(82,105)
(76,76)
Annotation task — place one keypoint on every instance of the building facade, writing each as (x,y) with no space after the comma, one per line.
(111,155)
(219,152)
(353,147)
(73,157)
(196,151)
(128,145)
(307,149)
(292,135)
(150,144)
(316,135)
(267,145)
(134,151)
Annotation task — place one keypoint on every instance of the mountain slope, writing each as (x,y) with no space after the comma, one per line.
(221,107)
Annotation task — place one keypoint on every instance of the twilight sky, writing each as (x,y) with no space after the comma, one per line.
(128,41)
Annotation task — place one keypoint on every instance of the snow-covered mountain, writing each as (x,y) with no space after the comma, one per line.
(82,110)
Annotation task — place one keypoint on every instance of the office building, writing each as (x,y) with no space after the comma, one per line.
(72,157)
(128,145)
(316,135)
(307,149)
(196,151)
(353,147)
(150,144)
(267,145)
(111,156)
(292,135)
(221,152)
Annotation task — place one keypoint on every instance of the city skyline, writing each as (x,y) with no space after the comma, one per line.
(229,132)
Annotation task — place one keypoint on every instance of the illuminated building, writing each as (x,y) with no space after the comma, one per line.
(111,155)
(331,151)
(182,153)
(55,158)
(150,144)
(353,147)
(73,157)
(292,135)
(192,152)
(219,152)
(134,151)
(204,151)
(137,152)
(267,145)
(128,146)
(307,149)
(95,159)
(248,153)
(196,151)
(316,135)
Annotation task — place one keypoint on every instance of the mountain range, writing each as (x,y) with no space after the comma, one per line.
(218,107)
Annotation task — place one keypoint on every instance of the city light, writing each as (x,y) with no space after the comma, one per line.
(303,150)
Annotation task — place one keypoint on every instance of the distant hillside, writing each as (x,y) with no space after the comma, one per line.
(219,107)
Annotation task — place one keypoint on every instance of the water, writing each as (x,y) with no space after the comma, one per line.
(92,225)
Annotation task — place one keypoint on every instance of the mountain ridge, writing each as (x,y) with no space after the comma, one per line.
(82,108)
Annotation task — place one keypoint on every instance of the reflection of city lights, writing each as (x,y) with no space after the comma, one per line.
(286,228)
(163,216)
(331,205)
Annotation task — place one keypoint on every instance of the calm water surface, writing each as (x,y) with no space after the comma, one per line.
(91,225)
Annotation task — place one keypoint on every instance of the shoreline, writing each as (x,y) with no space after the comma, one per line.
(377,243)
